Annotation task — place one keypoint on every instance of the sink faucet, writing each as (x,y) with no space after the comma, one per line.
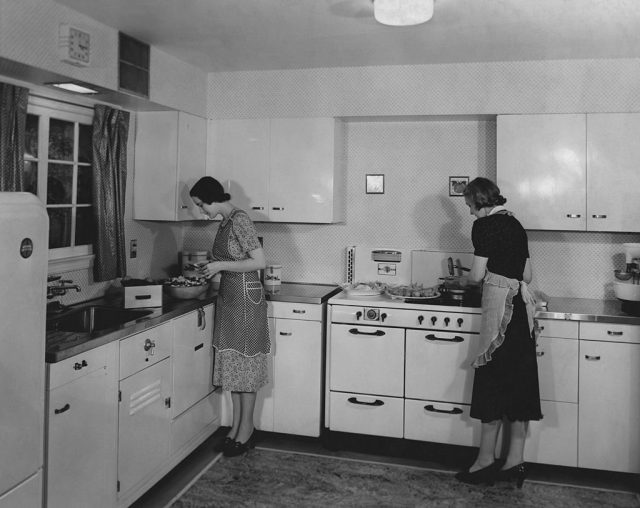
(60,288)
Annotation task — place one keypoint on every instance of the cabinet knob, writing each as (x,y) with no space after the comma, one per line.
(598,216)
(573,216)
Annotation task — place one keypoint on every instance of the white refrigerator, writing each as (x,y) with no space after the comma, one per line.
(24,230)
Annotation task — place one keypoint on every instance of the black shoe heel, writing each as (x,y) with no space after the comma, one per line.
(238,448)
(516,473)
(223,445)
(486,476)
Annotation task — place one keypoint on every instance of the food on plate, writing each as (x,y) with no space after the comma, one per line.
(412,291)
(364,287)
(183,281)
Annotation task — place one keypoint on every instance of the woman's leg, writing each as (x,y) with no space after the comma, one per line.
(517,437)
(236,406)
(488,438)
(246,427)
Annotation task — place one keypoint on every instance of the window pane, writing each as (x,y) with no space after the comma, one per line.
(84,226)
(59,227)
(59,184)
(85,183)
(31,141)
(31,177)
(85,148)
(60,140)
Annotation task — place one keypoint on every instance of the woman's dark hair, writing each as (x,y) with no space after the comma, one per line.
(483,192)
(209,190)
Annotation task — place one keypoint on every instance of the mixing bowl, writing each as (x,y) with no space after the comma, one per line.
(626,291)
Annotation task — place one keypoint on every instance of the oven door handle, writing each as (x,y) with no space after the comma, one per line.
(431,336)
(355,331)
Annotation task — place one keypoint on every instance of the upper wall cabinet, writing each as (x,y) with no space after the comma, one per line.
(170,157)
(279,170)
(571,172)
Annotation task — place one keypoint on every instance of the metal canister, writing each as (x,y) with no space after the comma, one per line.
(272,275)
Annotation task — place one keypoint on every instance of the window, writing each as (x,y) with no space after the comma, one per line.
(58,170)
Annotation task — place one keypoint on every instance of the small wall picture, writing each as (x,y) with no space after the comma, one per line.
(457,185)
(375,184)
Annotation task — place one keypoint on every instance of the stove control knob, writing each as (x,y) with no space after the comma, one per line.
(358,315)
(420,319)
(460,321)
(433,320)
(383,316)
(446,321)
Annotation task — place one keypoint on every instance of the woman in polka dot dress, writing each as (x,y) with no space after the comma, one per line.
(241,331)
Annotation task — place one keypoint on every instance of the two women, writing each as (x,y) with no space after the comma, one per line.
(505,386)
(241,332)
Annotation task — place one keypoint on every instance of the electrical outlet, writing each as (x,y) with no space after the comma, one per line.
(133,249)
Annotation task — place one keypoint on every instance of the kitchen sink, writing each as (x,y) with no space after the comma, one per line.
(94,318)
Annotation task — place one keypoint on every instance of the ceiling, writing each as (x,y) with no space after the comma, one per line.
(240,35)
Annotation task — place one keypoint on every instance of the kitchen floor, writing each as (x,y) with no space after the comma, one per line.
(390,451)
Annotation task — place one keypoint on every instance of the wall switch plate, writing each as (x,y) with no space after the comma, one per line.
(133,249)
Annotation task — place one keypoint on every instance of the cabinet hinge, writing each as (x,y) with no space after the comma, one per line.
(167,402)
(119,395)
(118,486)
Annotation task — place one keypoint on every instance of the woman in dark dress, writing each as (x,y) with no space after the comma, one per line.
(505,385)
(241,331)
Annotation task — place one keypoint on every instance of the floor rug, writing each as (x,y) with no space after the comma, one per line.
(272,478)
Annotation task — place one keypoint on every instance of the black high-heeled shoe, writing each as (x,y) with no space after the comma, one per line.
(222,445)
(486,475)
(517,473)
(238,448)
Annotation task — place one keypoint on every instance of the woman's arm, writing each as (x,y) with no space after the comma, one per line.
(478,269)
(527,275)
(255,261)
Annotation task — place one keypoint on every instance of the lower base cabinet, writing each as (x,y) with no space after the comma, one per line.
(553,440)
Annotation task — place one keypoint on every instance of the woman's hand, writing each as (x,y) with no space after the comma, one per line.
(210,269)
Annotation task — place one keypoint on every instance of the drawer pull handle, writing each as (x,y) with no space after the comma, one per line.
(143,297)
(454,411)
(573,216)
(257,207)
(431,336)
(592,358)
(79,365)
(376,402)
(299,311)
(199,346)
(615,334)
(64,408)
(377,333)
(286,334)
(540,353)
(598,216)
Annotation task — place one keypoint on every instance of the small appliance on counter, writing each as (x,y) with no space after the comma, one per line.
(272,276)
(627,287)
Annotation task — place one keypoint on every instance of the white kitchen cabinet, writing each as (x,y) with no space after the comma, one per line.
(81,444)
(192,358)
(570,171)
(609,406)
(170,156)
(281,169)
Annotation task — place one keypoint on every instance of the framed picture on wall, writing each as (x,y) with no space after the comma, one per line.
(457,185)
(375,184)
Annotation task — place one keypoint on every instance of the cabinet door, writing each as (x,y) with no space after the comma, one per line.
(297,369)
(301,181)
(192,358)
(554,439)
(82,442)
(541,169)
(238,156)
(558,369)
(144,424)
(613,179)
(609,408)
(192,153)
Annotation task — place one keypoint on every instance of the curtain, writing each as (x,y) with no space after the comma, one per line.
(13,120)
(110,131)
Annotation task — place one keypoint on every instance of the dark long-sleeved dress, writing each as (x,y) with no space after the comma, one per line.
(507,386)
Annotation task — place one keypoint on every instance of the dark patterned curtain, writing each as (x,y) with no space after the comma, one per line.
(110,131)
(13,119)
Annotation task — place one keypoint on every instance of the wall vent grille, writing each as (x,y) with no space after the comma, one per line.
(133,65)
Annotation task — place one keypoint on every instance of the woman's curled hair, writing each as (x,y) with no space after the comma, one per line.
(209,190)
(483,193)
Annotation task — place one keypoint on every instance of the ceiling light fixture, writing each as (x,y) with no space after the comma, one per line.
(402,12)
(74,87)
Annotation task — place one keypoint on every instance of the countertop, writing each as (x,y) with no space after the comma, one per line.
(63,345)
(584,309)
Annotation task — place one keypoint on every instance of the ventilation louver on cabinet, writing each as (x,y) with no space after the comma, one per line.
(133,65)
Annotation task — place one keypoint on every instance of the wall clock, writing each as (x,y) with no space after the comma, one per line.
(74,45)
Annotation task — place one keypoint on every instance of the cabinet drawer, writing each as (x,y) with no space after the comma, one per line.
(192,422)
(558,369)
(440,422)
(366,414)
(77,366)
(438,365)
(557,328)
(143,349)
(367,359)
(291,310)
(609,332)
